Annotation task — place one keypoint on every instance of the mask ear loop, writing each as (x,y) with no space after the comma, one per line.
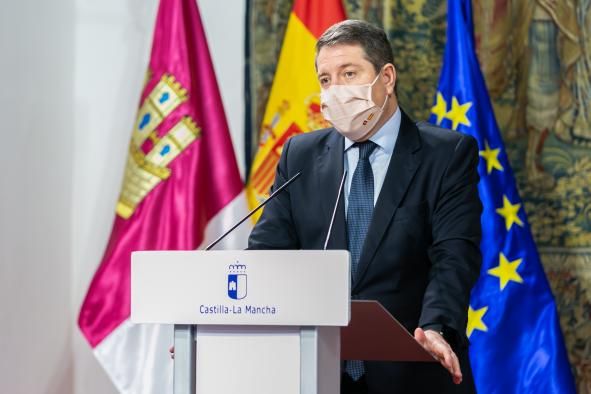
(373,83)
(385,101)
(375,80)
(377,76)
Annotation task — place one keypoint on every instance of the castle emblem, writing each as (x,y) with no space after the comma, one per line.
(143,170)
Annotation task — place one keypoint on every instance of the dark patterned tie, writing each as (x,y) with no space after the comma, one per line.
(359,214)
(360,206)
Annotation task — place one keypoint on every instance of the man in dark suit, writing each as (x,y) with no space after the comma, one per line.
(410,212)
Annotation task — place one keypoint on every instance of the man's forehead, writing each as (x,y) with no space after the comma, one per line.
(340,50)
(339,56)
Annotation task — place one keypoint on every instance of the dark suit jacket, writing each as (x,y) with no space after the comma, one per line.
(421,255)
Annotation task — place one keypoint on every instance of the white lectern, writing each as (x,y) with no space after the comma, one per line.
(260,322)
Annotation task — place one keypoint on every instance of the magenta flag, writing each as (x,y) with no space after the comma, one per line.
(181,176)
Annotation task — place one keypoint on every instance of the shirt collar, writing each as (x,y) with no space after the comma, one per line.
(386,136)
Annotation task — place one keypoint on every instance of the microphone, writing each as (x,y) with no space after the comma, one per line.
(334,211)
(272,196)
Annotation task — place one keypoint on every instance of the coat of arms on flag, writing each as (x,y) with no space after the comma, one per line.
(294,101)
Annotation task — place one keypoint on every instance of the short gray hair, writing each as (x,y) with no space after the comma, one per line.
(371,39)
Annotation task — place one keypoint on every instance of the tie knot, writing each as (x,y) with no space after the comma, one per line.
(365,149)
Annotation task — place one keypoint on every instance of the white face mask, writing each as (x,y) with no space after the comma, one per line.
(350,109)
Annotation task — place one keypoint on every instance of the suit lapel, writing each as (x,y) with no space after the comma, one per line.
(401,170)
(330,171)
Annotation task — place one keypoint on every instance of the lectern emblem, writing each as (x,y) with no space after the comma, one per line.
(237,281)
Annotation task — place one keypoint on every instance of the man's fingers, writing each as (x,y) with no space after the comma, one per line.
(457,369)
(440,349)
(453,366)
(420,335)
(422,339)
(447,357)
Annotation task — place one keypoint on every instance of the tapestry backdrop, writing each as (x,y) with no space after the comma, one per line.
(536,58)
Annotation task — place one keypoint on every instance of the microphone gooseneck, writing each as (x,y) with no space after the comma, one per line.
(262,204)
(334,210)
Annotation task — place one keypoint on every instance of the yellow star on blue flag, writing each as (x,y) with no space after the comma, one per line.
(510,213)
(458,114)
(475,321)
(440,108)
(506,271)
(491,156)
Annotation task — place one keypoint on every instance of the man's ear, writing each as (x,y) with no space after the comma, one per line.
(389,77)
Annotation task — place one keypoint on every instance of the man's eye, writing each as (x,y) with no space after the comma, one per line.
(323,81)
(349,74)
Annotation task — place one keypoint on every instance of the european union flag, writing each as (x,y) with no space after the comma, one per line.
(516,342)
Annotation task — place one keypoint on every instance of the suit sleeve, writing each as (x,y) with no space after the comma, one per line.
(455,252)
(275,228)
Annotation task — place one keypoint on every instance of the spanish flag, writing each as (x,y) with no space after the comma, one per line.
(294,102)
